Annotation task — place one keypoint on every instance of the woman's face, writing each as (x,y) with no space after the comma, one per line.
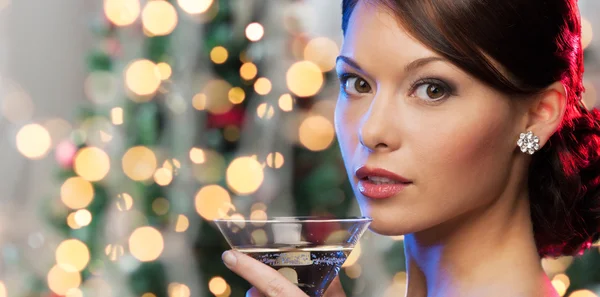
(404,109)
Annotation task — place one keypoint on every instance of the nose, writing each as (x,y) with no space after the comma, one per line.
(378,131)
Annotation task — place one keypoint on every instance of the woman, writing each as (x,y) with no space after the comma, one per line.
(461,126)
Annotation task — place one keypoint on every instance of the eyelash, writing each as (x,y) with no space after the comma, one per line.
(449,90)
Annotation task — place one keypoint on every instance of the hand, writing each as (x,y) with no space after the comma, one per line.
(267,281)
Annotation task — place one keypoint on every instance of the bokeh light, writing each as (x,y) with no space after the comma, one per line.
(124,202)
(72,255)
(275,160)
(3,291)
(248,71)
(212,202)
(217,96)
(33,141)
(195,6)
(139,163)
(245,175)
(61,280)
(353,271)
(116,116)
(322,51)
(237,95)
(197,155)
(182,223)
(114,252)
(76,192)
(92,163)
(255,31)
(165,70)
(217,285)
(82,217)
(179,290)
(316,133)
(160,206)
(286,102)
(71,221)
(159,17)
(122,12)
(142,76)
(304,79)
(199,101)
(219,55)
(146,244)
(263,86)
(74,292)
(265,111)
(583,293)
(353,257)
(163,176)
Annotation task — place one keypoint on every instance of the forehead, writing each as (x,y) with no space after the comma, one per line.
(374,37)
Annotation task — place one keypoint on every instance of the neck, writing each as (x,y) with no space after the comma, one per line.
(475,255)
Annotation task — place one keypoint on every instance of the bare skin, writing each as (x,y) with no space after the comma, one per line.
(465,215)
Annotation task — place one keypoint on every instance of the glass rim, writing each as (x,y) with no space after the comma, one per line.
(299,219)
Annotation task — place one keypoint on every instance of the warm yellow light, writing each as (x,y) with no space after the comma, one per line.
(163,176)
(116,115)
(322,51)
(583,293)
(199,101)
(237,95)
(304,79)
(122,12)
(179,290)
(563,278)
(71,221)
(255,31)
(587,34)
(114,252)
(219,55)
(248,71)
(195,6)
(316,133)
(92,163)
(61,280)
(217,96)
(148,295)
(159,17)
(262,86)
(72,255)
(265,111)
(258,215)
(217,285)
(83,217)
(172,165)
(3,291)
(74,292)
(244,175)
(160,206)
(165,70)
(212,202)
(197,155)
(143,77)
(124,202)
(275,160)
(76,192)
(139,163)
(286,102)
(33,141)
(559,286)
(353,257)
(146,244)
(182,223)
(353,271)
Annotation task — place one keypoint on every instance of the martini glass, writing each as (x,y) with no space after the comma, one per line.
(308,251)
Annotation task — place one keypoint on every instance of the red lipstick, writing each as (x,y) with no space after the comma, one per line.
(377,183)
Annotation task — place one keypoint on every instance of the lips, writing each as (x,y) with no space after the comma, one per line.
(377,183)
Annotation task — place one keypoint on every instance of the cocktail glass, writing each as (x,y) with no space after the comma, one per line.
(308,251)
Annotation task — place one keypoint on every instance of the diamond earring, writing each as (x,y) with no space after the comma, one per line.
(529,143)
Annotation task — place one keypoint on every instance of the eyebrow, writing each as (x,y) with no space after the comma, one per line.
(412,66)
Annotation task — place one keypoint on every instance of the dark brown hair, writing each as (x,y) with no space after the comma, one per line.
(521,47)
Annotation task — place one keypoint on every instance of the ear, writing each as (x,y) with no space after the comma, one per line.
(546,112)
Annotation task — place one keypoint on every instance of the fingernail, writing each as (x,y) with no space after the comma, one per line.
(229,259)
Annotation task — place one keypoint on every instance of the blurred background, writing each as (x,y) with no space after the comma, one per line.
(128,125)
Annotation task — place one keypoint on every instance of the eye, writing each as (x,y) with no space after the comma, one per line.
(354,85)
(432,90)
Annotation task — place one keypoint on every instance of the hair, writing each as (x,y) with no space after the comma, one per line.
(520,48)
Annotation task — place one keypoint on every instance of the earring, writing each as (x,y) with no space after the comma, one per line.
(529,143)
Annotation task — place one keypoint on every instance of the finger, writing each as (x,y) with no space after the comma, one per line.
(335,289)
(264,278)
(254,293)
